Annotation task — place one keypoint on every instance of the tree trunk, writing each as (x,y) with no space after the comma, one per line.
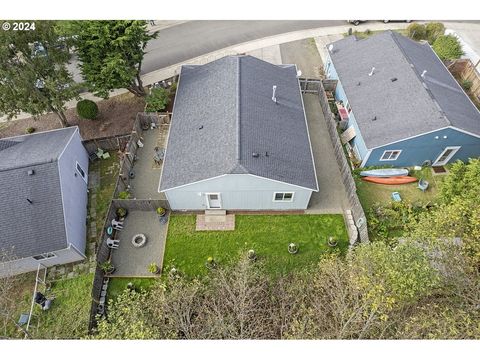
(136,90)
(136,86)
(61,117)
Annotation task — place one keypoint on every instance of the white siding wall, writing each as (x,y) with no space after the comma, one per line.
(74,191)
(25,265)
(238,192)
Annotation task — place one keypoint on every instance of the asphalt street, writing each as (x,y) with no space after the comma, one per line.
(194,38)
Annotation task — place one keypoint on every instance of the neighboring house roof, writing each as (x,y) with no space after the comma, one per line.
(411,104)
(224,113)
(32,229)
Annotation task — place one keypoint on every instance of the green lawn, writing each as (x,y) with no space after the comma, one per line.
(66,319)
(108,172)
(370,193)
(268,235)
(117,285)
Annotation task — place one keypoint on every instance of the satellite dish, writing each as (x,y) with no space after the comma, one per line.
(330,47)
(299,73)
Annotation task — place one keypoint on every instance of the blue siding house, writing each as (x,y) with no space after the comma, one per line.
(43,179)
(404,107)
(239,139)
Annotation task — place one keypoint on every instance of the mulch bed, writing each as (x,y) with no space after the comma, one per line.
(116,117)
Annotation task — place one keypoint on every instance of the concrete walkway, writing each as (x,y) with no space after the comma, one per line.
(331,196)
(147,173)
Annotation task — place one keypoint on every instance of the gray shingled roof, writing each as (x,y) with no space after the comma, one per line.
(31,229)
(408,106)
(224,113)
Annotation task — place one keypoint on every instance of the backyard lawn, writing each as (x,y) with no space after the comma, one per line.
(68,316)
(370,193)
(107,170)
(117,285)
(267,235)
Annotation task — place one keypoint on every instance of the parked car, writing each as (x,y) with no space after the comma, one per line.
(356,22)
(387,21)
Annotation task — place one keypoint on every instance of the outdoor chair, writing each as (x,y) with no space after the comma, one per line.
(117,224)
(423,185)
(396,196)
(113,244)
(23,319)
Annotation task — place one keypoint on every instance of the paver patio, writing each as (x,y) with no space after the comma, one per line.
(130,261)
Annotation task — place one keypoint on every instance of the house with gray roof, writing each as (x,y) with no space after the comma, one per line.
(238,139)
(402,105)
(43,187)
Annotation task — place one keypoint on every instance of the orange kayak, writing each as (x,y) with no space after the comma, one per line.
(395,180)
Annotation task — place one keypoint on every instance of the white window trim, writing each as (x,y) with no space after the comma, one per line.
(45,256)
(78,172)
(382,159)
(455,148)
(208,200)
(283,192)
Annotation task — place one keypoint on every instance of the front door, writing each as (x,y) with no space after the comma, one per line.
(214,201)
(446,155)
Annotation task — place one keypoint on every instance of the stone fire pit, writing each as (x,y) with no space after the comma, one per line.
(139,240)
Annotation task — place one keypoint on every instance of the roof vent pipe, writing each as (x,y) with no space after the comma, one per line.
(371,72)
(423,73)
(274,98)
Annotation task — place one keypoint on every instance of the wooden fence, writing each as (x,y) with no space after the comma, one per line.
(142,205)
(106,143)
(466,71)
(347,178)
(128,149)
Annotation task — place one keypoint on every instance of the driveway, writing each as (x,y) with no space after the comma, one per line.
(331,197)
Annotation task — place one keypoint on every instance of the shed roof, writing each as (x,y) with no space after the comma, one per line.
(28,229)
(396,101)
(224,114)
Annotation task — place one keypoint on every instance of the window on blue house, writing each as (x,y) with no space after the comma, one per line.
(390,155)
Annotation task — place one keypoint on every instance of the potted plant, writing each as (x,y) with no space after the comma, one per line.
(292,248)
(161,211)
(211,264)
(153,268)
(252,256)
(332,241)
(123,195)
(121,213)
(107,267)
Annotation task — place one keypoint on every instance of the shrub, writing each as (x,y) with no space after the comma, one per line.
(158,99)
(121,212)
(30,130)
(368,32)
(173,88)
(448,47)
(87,109)
(467,85)
(416,31)
(123,195)
(434,30)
